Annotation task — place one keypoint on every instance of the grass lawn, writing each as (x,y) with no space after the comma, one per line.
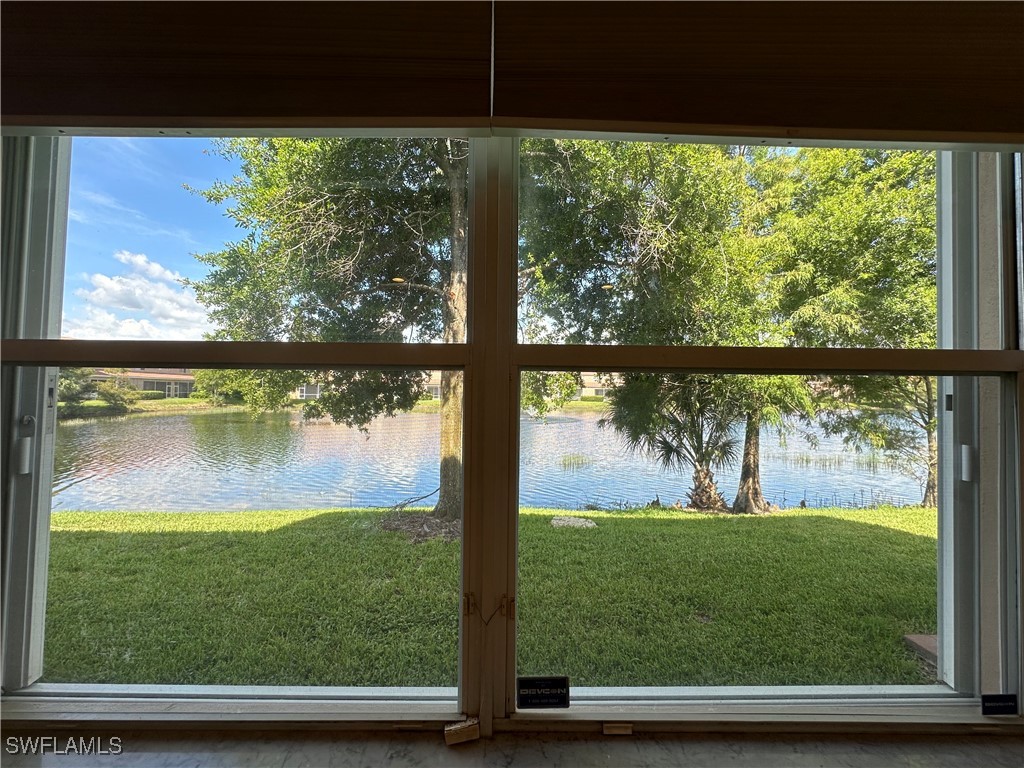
(646,598)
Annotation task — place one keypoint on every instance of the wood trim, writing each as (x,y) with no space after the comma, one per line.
(232,354)
(793,360)
(491,447)
(633,130)
(251,354)
(254,125)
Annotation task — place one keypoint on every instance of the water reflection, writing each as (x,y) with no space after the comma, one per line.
(228,461)
(569,461)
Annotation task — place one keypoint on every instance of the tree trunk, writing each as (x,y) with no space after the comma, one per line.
(931,486)
(449,500)
(704,494)
(749,497)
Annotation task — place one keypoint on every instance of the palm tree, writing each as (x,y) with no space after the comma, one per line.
(685,420)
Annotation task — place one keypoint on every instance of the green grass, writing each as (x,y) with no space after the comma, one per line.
(590,406)
(646,598)
(89,409)
(679,598)
(427,406)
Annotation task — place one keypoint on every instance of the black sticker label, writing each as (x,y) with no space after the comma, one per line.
(542,692)
(999,704)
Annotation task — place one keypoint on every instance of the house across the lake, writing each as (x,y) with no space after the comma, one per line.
(593,384)
(173,382)
(179,382)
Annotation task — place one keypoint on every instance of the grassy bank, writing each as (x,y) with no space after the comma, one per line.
(91,409)
(645,598)
(587,406)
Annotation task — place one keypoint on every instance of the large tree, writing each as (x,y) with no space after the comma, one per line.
(861,230)
(662,244)
(347,240)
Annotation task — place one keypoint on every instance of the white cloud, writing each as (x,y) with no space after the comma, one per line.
(140,263)
(148,302)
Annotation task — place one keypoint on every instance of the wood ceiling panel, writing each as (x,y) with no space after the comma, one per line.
(227,62)
(835,67)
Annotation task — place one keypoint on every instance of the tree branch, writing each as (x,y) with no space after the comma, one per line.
(418,286)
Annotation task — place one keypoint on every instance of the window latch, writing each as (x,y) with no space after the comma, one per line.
(23,446)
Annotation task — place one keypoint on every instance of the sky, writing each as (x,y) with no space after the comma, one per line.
(133,232)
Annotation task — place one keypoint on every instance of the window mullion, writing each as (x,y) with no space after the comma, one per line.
(490,448)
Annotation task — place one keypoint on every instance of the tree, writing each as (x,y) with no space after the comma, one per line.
(73,384)
(662,244)
(347,240)
(118,392)
(756,254)
(217,385)
(892,414)
(861,273)
(684,420)
(544,391)
(763,400)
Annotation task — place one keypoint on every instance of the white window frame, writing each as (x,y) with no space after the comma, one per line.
(973,583)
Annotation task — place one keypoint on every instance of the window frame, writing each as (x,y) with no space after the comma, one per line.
(492,360)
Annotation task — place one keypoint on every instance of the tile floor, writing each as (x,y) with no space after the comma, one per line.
(427,750)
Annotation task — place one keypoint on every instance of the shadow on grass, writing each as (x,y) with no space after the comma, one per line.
(326,598)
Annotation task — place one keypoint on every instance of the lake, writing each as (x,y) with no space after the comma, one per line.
(228,461)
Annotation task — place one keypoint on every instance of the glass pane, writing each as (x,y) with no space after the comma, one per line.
(272,239)
(217,539)
(725,530)
(686,244)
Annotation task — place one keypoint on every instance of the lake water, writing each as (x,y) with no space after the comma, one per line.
(228,461)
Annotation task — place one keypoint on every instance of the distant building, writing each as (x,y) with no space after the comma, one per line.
(173,382)
(593,384)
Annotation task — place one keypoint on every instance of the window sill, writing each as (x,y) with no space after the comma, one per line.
(49,702)
(791,709)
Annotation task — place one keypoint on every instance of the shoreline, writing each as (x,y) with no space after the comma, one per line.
(97,409)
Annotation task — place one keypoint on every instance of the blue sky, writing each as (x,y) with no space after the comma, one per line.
(133,230)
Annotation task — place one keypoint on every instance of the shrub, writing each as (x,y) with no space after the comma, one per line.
(151,395)
(118,394)
(592,398)
(74,385)
(70,410)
